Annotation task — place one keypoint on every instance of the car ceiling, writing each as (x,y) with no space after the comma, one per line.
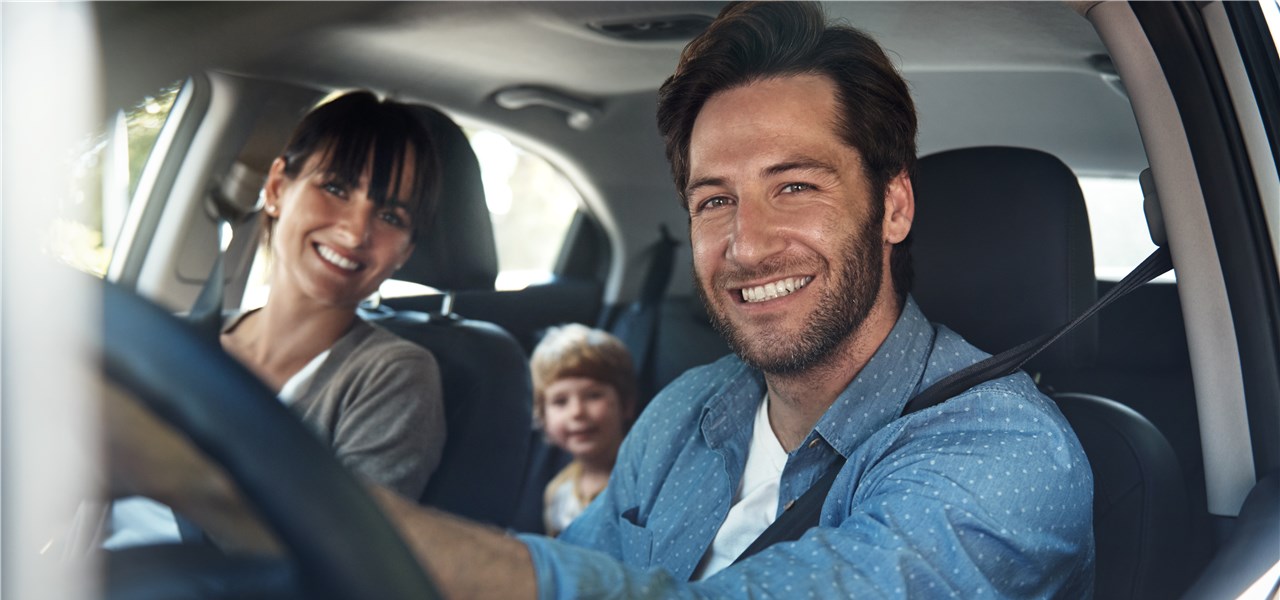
(1031,74)
(975,67)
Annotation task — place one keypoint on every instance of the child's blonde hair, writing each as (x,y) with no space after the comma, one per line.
(579,351)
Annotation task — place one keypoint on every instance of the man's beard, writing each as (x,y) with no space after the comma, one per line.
(841,310)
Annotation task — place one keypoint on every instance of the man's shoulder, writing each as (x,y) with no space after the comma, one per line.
(702,382)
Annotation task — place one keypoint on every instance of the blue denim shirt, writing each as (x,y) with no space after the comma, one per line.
(986,495)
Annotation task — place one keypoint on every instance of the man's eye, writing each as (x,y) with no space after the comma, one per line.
(792,188)
(714,202)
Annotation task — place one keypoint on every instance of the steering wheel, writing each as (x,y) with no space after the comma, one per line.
(341,543)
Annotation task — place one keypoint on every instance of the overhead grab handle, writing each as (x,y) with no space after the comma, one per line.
(580,114)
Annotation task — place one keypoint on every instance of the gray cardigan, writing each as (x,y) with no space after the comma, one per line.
(377,401)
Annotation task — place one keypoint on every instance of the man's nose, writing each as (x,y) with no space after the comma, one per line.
(755,235)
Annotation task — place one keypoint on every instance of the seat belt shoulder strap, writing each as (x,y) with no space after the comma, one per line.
(804,514)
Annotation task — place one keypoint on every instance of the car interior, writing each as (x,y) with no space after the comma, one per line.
(1060,144)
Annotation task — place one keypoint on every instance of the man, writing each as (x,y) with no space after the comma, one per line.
(792,145)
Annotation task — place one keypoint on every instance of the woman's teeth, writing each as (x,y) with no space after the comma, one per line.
(336,259)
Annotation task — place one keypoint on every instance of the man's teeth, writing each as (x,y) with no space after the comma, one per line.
(774,289)
(336,259)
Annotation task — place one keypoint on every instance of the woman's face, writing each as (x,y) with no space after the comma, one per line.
(331,243)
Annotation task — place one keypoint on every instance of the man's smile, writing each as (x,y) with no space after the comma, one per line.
(774,289)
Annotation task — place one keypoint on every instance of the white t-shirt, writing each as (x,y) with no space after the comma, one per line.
(563,504)
(755,504)
(139,521)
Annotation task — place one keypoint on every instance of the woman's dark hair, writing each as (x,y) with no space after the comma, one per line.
(751,41)
(356,128)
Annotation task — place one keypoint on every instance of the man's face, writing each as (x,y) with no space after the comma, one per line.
(788,249)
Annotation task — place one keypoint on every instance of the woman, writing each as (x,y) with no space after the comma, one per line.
(344,204)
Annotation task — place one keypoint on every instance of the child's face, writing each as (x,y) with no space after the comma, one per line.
(584,416)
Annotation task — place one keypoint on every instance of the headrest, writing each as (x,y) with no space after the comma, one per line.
(1002,250)
(457,252)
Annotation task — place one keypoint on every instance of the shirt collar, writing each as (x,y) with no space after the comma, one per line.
(879,392)
(875,397)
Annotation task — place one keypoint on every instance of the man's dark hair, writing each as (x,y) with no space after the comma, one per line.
(751,41)
(358,127)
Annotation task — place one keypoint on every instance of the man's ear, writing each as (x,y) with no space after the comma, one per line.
(899,208)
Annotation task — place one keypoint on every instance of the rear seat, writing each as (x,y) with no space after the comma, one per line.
(484,371)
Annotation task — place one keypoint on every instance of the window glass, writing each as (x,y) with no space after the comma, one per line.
(531,205)
(1118,226)
(106,175)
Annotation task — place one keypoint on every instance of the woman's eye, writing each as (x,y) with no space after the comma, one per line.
(336,189)
(393,219)
(792,188)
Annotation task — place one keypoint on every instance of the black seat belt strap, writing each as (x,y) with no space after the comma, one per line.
(638,325)
(1009,361)
(804,513)
(206,313)
(205,317)
(801,517)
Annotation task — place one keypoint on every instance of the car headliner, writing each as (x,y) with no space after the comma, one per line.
(1023,74)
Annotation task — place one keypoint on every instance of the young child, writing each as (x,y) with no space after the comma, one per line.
(584,399)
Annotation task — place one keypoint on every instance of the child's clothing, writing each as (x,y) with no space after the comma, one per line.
(563,500)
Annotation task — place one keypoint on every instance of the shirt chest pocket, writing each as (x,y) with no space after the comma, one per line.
(637,542)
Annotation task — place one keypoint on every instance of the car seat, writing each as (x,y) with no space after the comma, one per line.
(1002,253)
(484,371)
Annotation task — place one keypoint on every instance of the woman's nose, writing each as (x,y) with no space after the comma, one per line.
(357,222)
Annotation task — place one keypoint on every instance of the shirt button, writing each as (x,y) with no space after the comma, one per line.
(789,505)
(813,443)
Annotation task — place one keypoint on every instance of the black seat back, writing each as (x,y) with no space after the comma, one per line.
(484,371)
(1002,254)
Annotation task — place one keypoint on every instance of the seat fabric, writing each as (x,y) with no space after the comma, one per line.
(1002,254)
(484,371)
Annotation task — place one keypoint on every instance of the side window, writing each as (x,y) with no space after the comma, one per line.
(531,205)
(1118,226)
(107,172)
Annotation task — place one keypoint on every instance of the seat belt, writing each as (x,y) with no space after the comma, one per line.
(206,313)
(205,317)
(805,512)
(638,326)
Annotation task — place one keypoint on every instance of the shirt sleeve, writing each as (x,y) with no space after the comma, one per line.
(392,428)
(989,498)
